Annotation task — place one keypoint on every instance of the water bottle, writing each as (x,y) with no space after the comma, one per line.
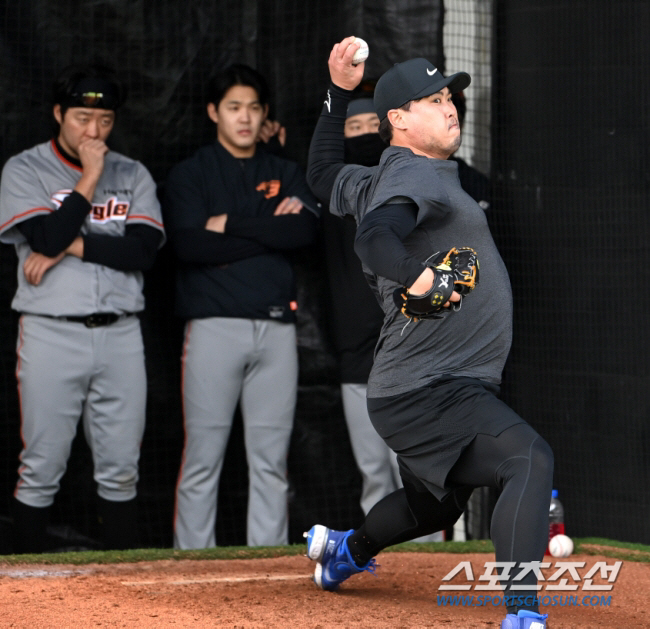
(555,518)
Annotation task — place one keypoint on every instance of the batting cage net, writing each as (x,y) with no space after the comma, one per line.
(556,140)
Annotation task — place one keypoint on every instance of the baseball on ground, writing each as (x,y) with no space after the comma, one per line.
(362,54)
(560,546)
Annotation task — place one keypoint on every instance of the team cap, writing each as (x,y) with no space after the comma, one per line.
(94,92)
(360,106)
(412,80)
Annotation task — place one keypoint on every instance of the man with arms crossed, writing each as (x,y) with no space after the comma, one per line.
(233,211)
(432,389)
(85,222)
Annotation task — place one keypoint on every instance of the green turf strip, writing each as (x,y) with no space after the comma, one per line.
(588,545)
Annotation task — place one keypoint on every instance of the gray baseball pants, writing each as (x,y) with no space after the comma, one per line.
(66,371)
(226,360)
(375,460)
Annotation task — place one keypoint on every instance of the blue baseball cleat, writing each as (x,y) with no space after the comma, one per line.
(335,564)
(524,620)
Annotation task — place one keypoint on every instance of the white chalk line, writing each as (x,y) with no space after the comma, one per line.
(39,573)
(285,577)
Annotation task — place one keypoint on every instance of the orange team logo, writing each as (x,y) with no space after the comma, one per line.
(270,188)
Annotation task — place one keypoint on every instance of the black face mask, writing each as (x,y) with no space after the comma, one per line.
(364,150)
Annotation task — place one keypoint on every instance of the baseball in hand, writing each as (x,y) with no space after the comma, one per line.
(362,54)
(560,546)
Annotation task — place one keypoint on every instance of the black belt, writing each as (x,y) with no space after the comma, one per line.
(95,320)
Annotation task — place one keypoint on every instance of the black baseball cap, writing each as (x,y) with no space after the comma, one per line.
(94,92)
(360,106)
(411,80)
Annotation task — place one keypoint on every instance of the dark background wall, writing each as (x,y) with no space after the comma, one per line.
(166,51)
(570,214)
(571,136)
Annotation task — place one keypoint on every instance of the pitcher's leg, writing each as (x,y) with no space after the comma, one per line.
(519,463)
(404,515)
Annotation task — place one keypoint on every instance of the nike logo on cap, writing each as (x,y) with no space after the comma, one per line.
(432,72)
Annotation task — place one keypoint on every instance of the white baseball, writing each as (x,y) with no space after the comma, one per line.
(362,54)
(560,546)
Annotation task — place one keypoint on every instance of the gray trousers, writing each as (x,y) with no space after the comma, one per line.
(65,371)
(375,460)
(226,360)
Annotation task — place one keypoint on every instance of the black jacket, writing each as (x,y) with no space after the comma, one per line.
(244,272)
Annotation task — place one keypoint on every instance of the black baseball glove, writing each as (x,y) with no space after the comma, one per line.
(457,270)
(464,265)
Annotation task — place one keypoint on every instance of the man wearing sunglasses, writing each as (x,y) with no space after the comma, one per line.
(85,222)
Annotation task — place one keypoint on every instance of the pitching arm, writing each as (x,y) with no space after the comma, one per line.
(327,149)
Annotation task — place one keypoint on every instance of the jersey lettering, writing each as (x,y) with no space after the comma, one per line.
(270,188)
(112,210)
(59,197)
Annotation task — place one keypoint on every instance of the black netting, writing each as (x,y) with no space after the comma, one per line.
(557,117)
(571,162)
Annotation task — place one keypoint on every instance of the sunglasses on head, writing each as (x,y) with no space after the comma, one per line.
(89,99)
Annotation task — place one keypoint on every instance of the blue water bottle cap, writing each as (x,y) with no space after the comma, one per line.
(554,493)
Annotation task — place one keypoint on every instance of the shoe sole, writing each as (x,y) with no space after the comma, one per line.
(318,576)
(316,545)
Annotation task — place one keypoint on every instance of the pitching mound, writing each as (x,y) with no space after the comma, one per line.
(279,593)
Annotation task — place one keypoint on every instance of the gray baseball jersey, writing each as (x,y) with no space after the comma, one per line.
(65,368)
(37,181)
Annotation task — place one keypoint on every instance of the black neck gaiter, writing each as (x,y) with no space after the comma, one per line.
(364,150)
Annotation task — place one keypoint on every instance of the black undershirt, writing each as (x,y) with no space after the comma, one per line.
(378,242)
(327,148)
(51,234)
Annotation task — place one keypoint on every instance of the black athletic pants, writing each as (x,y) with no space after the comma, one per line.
(518,463)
